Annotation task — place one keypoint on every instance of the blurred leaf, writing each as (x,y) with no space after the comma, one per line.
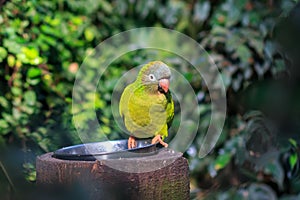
(287,6)
(279,66)
(11,61)
(3,53)
(30,97)
(293,142)
(261,192)
(3,125)
(30,55)
(243,53)
(16,91)
(233,16)
(188,76)
(201,11)
(12,46)
(226,79)
(275,169)
(89,34)
(258,45)
(29,169)
(4,102)
(34,72)
(269,49)
(218,30)
(293,159)
(50,30)
(233,42)
(33,81)
(222,160)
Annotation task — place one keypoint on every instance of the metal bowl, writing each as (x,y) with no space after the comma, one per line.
(107,150)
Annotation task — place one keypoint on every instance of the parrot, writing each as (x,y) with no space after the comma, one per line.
(146,105)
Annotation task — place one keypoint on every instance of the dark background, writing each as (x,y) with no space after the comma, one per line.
(254,44)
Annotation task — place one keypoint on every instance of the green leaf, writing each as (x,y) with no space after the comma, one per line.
(201,11)
(293,160)
(3,53)
(226,79)
(254,18)
(12,46)
(77,20)
(3,125)
(89,34)
(29,55)
(8,117)
(34,81)
(30,97)
(50,31)
(44,144)
(219,30)
(106,6)
(233,42)
(11,61)
(16,113)
(105,129)
(16,91)
(1,19)
(269,49)
(275,169)
(233,17)
(44,40)
(4,102)
(222,160)
(34,72)
(260,191)
(279,66)
(240,4)
(188,76)
(293,142)
(258,45)
(243,53)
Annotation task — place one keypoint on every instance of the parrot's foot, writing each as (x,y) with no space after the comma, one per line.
(131,142)
(157,138)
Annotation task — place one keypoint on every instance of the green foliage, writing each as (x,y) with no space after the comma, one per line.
(43,43)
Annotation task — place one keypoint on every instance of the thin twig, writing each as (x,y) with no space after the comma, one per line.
(7,176)
(12,77)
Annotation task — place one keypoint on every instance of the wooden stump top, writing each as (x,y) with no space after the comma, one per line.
(160,176)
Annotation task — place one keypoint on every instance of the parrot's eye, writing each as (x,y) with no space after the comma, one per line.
(152,77)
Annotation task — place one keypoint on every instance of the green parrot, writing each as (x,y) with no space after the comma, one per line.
(146,105)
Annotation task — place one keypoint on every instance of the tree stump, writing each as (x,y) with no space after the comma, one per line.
(103,179)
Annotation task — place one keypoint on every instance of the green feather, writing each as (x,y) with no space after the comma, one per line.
(146,111)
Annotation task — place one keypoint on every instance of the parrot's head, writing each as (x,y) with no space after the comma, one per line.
(155,76)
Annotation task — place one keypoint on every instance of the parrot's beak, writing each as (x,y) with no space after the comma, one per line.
(164,84)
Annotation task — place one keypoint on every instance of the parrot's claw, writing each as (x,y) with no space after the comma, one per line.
(157,138)
(131,142)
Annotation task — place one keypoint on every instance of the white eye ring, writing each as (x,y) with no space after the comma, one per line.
(152,77)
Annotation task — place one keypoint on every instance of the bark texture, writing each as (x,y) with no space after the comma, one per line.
(161,176)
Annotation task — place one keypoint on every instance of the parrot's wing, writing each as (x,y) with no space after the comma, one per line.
(170,110)
(124,101)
